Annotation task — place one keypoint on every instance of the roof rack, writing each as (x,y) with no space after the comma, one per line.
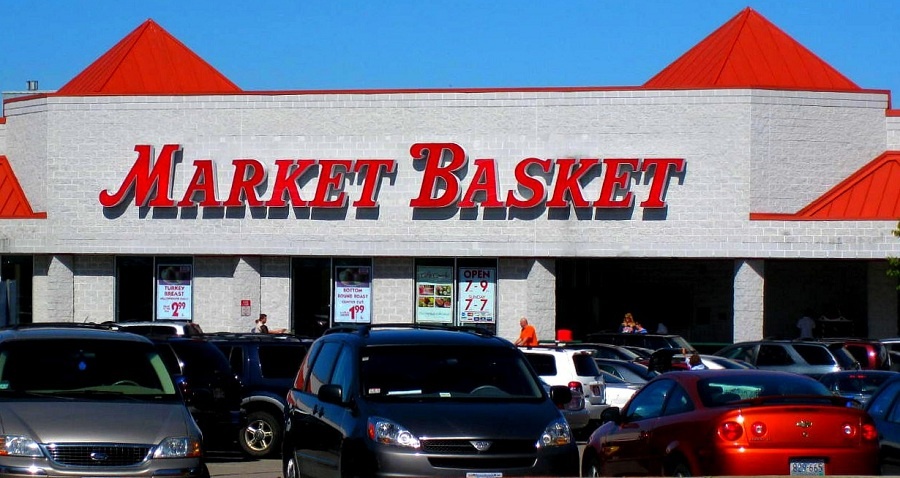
(35,325)
(364,329)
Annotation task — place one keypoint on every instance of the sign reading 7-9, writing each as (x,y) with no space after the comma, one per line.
(477,295)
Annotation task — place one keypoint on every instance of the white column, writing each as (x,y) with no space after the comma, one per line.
(749,294)
(882,301)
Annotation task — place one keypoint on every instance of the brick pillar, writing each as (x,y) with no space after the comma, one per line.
(749,294)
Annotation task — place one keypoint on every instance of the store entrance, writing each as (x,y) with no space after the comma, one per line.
(310,295)
(693,298)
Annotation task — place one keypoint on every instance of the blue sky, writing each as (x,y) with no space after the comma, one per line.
(374,44)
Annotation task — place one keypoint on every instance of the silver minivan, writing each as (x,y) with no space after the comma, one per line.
(82,401)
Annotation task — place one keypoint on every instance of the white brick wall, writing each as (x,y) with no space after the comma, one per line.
(745,150)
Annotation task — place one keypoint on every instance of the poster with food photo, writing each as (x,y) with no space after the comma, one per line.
(434,294)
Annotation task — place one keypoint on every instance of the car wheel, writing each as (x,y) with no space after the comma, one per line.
(590,465)
(290,468)
(681,469)
(261,436)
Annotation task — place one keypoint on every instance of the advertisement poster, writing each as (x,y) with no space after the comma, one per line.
(477,300)
(434,294)
(353,294)
(173,291)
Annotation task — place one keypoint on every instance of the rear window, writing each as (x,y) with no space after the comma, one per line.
(543,364)
(585,366)
(746,385)
(814,354)
(844,358)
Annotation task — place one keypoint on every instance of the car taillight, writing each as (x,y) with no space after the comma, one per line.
(869,433)
(731,431)
(576,386)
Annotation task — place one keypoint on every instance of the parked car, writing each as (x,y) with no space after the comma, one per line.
(647,341)
(858,385)
(81,401)
(266,365)
(884,407)
(571,368)
(631,372)
(605,350)
(205,378)
(870,353)
(715,362)
(415,400)
(733,422)
(160,327)
(576,414)
(618,391)
(804,357)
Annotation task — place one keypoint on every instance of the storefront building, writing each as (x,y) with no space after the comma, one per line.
(744,185)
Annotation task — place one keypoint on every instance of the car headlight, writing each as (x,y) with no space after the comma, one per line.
(178,447)
(18,445)
(557,433)
(386,432)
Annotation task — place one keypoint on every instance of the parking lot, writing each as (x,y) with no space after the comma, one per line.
(235,465)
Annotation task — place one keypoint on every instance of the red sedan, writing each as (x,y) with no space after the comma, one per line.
(730,423)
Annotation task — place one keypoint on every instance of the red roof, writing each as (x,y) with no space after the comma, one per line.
(13,203)
(149,61)
(750,52)
(871,193)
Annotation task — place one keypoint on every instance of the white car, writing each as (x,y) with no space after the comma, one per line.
(160,327)
(572,368)
(618,391)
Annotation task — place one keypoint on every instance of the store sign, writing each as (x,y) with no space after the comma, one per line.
(353,295)
(445,182)
(173,291)
(477,295)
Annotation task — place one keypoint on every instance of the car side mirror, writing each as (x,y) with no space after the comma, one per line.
(560,395)
(331,393)
(611,414)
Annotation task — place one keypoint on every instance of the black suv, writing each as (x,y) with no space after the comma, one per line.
(647,341)
(266,365)
(210,388)
(415,400)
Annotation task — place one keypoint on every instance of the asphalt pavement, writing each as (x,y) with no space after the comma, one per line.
(236,465)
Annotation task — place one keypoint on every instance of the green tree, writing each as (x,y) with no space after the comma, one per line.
(894,262)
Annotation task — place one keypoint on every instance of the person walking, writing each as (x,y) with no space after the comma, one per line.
(262,328)
(528,334)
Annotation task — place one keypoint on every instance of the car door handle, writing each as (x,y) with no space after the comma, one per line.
(644,435)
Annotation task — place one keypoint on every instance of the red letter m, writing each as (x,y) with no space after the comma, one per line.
(147,182)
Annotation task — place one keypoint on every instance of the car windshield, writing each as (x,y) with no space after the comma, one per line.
(443,372)
(97,368)
(747,385)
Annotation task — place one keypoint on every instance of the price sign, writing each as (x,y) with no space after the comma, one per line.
(477,295)
(173,291)
(353,295)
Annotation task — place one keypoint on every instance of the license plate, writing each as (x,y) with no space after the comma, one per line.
(484,475)
(808,467)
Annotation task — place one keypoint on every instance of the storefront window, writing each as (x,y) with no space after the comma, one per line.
(153,288)
(16,273)
(456,292)
(353,291)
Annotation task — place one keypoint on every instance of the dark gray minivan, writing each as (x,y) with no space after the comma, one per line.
(83,401)
(414,400)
